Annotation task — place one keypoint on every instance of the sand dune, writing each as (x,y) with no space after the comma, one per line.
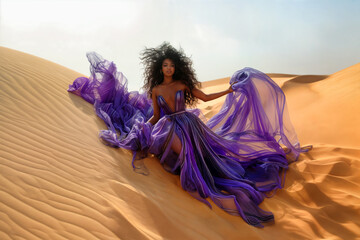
(58,181)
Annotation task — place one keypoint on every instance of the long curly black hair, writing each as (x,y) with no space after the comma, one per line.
(152,58)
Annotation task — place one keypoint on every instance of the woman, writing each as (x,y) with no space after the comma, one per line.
(235,158)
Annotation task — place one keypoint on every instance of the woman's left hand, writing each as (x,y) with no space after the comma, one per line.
(230,90)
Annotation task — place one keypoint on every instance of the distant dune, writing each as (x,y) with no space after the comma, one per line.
(58,181)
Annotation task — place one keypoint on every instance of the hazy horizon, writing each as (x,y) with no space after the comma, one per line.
(275,36)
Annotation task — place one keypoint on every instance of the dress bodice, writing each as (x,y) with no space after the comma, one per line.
(179,103)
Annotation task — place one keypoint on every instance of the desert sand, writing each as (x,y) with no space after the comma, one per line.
(58,181)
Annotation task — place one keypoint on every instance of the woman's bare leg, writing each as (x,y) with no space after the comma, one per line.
(176,145)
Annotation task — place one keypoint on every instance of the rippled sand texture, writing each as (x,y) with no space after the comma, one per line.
(58,181)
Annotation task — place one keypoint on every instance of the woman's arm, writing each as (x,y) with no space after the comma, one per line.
(207,97)
(156,115)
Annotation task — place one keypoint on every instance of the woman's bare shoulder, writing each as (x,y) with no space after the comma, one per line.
(155,90)
(183,86)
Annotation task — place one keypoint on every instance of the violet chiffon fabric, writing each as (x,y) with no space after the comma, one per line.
(236,159)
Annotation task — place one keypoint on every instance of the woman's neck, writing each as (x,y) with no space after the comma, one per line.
(167,80)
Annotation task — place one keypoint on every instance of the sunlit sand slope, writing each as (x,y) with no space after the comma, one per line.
(58,181)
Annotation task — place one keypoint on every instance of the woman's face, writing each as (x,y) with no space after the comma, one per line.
(168,68)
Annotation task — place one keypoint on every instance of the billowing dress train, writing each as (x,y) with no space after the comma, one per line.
(236,158)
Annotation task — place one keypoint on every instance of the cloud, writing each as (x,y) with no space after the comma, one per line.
(221,36)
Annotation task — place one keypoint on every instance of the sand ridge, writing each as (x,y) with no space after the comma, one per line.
(58,181)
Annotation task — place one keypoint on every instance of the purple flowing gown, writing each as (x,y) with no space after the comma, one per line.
(236,158)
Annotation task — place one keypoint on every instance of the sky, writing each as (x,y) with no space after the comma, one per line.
(221,37)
